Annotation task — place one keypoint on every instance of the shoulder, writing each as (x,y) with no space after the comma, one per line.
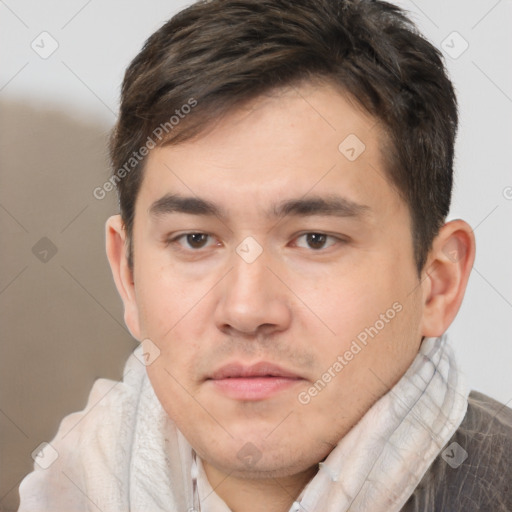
(94,439)
(472,471)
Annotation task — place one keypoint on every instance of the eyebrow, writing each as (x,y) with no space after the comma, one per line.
(330,205)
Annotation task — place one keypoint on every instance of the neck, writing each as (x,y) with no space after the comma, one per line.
(258,494)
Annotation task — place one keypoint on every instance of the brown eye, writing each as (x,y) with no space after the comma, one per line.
(197,240)
(191,242)
(316,241)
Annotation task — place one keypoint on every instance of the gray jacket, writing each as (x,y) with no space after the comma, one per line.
(483,481)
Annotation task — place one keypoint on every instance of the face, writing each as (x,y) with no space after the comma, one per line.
(282,295)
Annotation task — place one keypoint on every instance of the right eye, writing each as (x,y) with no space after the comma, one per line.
(194,241)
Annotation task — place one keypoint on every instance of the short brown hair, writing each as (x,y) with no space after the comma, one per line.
(221,53)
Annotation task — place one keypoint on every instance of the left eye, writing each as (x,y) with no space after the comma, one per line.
(316,240)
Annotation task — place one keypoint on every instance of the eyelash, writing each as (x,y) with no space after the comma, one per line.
(176,239)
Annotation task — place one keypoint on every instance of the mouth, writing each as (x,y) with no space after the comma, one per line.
(256,382)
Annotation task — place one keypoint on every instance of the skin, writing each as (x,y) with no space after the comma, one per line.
(296,305)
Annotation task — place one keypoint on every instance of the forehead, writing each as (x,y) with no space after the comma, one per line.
(302,140)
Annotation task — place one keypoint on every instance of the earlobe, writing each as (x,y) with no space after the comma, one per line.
(446,275)
(115,239)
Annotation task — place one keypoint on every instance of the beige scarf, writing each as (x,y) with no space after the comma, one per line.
(122,452)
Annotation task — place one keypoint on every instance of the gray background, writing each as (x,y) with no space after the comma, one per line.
(61,318)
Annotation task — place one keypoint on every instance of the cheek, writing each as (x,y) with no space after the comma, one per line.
(166,299)
(342,308)
(171,319)
(367,317)
(175,394)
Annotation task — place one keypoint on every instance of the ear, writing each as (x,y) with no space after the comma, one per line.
(117,246)
(445,276)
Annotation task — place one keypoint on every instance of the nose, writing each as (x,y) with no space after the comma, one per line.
(253,300)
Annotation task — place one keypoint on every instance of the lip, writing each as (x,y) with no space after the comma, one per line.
(261,369)
(255,382)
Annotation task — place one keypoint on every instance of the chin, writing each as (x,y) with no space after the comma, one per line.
(272,461)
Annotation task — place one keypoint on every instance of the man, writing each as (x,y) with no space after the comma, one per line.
(284,172)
